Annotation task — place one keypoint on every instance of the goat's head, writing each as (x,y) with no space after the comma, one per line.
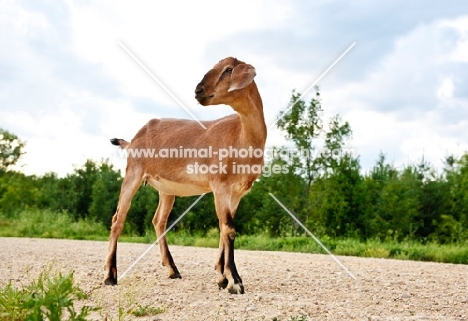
(224,83)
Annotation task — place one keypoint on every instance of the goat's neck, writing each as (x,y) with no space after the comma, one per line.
(250,110)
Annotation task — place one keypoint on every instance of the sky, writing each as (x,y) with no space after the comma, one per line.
(67,85)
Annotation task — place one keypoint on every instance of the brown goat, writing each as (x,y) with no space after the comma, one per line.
(230,177)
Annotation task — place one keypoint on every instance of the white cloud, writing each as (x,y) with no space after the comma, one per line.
(405,105)
(446,89)
(460,25)
(170,39)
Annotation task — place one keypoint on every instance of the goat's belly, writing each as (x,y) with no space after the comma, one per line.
(176,188)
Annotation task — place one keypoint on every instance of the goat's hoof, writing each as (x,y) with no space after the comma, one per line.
(236,288)
(110,281)
(175,275)
(223,283)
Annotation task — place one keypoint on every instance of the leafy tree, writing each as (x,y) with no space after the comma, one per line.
(17,192)
(400,204)
(49,191)
(452,222)
(11,149)
(303,125)
(374,222)
(75,192)
(142,210)
(261,213)
(320,148)
(83,182)
(333,154)
(458,179)
(435,195)
(200,219)
(337,200)
(105,193)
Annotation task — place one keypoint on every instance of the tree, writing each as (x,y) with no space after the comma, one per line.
(400,205)
(75,192)
(17,192)
(49,192)
(11,149)
(303,125)
(105,193)
(451,224)
(338,206)
(260,213)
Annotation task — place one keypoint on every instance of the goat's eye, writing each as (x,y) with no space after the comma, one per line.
(229,71)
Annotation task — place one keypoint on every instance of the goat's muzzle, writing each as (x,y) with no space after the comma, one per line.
(201,96)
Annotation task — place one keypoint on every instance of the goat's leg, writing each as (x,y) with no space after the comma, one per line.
(160,221)
(129,187)
(226,206)
(228,235)
(219,266)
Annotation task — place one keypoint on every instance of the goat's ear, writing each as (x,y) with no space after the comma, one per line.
(242,75)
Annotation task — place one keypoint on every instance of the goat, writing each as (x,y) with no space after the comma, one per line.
(229,82)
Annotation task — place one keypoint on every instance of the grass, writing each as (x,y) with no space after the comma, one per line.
(407,250)
(48,224)
(50,297)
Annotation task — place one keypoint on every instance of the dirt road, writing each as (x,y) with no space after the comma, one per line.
(278,285)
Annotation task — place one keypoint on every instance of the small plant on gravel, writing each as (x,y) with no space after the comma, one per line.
(301,318)
(11,300)
(51,298)
(145,310)
(129,297)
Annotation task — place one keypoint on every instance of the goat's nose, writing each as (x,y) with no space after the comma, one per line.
(199,90)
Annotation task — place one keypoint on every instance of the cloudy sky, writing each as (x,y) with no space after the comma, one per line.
(67,85)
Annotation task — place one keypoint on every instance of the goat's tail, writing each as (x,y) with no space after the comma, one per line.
(119,142)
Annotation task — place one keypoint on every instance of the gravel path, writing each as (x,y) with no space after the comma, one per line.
(277,284)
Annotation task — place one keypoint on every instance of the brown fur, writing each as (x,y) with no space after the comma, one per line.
(229,82)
